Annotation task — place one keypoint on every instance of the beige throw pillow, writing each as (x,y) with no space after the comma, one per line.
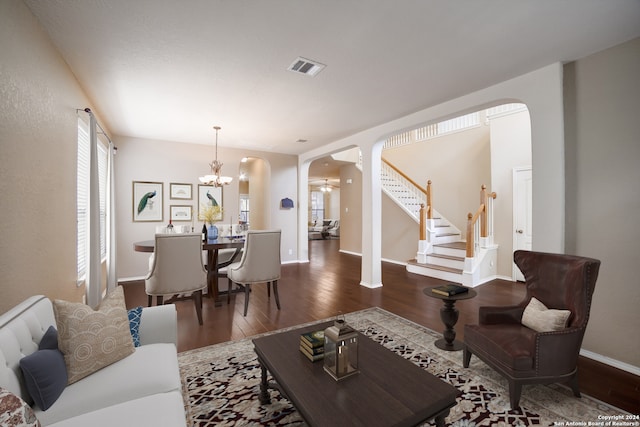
(91,340)
(542,319)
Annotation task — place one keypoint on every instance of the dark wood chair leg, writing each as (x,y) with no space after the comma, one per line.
(466,357)
(229,291)
(268,289)
(515,389)
(197,299)
(150,301)
(573,383)
(247,290)
(160,300)
(275,293)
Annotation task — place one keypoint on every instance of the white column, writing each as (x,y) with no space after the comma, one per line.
(303,211)
(371,275)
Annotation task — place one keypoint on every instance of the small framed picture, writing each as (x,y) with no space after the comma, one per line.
(208,195)
(148,201)
(181,212)
(180,191)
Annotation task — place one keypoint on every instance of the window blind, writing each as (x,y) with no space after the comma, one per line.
(82,197)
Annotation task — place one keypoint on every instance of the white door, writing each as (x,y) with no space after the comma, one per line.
(522,213)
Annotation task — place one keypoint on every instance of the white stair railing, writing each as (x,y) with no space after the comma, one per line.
(403,191)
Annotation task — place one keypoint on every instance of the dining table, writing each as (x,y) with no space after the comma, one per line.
(212,247)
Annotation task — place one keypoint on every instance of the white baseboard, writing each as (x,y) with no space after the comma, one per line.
(350,253)
(635,370)
(393,261)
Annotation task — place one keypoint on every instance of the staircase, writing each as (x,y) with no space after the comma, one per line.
(443,254)
(445,260)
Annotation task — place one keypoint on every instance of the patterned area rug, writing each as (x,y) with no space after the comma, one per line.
(221,383)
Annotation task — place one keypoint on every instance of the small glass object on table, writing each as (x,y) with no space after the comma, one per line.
(340,350)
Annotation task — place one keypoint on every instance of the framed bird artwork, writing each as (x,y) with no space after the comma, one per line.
(208,195)
(148,201)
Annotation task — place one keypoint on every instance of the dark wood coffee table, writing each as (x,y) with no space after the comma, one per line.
(388,391)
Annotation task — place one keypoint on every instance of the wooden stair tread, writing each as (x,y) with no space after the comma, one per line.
(435,267)
(451,257)
(453,245)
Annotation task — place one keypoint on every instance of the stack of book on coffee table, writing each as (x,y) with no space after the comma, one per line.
(312,345)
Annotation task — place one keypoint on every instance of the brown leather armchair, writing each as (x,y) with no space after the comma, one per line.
(521,354)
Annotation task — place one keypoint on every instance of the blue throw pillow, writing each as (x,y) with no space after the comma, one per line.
(49,340)
(135,314)
(45,376)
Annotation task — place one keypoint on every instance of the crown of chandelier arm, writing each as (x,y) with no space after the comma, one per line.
(215,178)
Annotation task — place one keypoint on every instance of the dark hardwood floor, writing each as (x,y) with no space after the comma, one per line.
(329,285)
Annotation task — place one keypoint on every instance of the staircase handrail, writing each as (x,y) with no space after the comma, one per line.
(476,229)
(403,190)
(403,175)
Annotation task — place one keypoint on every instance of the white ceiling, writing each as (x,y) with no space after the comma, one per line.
(171,70)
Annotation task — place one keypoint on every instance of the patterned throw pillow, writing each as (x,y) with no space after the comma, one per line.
(542,319)
(135,314)
(14,412)
(91,340)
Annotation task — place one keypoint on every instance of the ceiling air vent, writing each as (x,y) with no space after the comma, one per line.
(306,66)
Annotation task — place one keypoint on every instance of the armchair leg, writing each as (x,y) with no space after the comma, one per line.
(229,291)
(197,299)
(160,300)
(275,293)
(573,383)
(515,389)
(466,357)
(149,301)
(268,289)
(247,290)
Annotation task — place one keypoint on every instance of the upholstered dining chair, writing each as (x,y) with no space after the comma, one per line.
(260,263)
(537,341)
(226,257)
(176,270)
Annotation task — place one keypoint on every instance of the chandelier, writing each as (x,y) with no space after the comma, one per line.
(215,178)
(326,188)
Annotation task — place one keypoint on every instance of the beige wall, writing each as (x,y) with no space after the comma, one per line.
(399,233)
(333,200)
(351,209)
(38,138)
(259,213)
(603,194)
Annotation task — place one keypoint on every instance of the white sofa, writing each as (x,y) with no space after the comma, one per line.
(327,227)
(143,389)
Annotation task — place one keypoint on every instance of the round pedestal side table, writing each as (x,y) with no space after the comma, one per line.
(449,315)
